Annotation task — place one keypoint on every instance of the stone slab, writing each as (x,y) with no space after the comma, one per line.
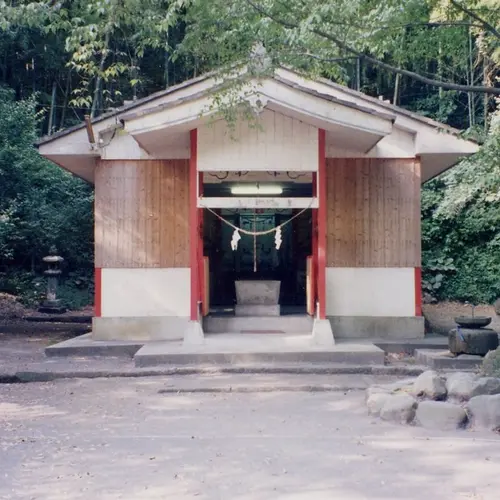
(256,310)
(264,349)
(445,360)
(257,292)
(84,346)
(435,342)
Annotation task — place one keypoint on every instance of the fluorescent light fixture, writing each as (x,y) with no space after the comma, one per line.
(249,189)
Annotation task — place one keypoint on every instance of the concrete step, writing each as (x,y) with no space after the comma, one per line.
(258,324)
(84,346)
(163,353)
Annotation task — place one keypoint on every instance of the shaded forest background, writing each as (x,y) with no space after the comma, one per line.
(60,61)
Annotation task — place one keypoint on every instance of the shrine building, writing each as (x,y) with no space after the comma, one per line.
(300,215)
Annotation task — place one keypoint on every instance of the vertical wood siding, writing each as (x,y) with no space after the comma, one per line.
(275,143)
(373,212)
(142,213)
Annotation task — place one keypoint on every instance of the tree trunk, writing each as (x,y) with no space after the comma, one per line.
(66,98)
(358,74)
(98,82)
(52,107)
(470,78)
(397,82)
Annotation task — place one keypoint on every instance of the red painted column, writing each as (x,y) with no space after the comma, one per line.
(194,236)
(418,291)
(315,241)
(201,262)
(97,292)
(322,223)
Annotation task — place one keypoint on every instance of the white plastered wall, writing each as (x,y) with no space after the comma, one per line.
(145,292)
(375,292)
(279,143)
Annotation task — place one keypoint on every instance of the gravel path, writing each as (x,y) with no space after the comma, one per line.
(124,439)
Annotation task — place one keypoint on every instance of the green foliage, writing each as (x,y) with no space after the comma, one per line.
(40,205)
(94,54)
(461,222)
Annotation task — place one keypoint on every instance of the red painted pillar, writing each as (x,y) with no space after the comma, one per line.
(97,292)
(418,291)
(194,237)
(322,223)
(201,262)
(315,242)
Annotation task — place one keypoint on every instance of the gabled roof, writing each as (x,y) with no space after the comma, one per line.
(139,103)
(356,124)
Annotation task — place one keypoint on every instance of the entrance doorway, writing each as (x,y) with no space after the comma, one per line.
(256,258)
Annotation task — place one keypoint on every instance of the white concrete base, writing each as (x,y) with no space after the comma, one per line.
(397,328)
(322,333)
(193,335)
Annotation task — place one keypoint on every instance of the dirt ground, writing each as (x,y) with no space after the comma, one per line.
(440,317)
(124,439)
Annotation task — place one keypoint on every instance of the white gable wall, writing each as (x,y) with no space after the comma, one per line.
(279,143)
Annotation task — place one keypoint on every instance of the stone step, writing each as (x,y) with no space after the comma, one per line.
(164,353)
(258,324)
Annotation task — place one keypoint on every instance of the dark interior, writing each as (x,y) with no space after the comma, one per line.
(288,264)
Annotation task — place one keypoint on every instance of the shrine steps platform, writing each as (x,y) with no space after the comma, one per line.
(300,323)
(254,348)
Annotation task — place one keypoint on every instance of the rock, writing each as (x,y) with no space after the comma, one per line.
(484,412)
(429,384)
(405,385)
(477,341)
(496,306)
(491,364)
(375,389)
(486,386)
(376,401)
(400,385)
(440,415)
(427,298)
(399,408)
(460,385)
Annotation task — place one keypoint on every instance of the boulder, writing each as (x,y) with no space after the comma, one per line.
(399,408)
(440,415)
(375,389)
(496,306)
(460,385)
(376,401)
(477,341)
(484,412)
(491,364)
(486,386)
(429,384)
(404,385)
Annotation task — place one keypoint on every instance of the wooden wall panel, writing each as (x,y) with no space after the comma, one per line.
(373,213)
(142,213)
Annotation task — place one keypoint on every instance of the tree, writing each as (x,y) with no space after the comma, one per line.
(319,36)
(40,204)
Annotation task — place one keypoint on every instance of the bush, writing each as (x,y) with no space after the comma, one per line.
(41,206)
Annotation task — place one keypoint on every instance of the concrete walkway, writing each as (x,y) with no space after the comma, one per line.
(111,439)
(22,359)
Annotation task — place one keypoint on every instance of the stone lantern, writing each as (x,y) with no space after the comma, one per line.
(52,305)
